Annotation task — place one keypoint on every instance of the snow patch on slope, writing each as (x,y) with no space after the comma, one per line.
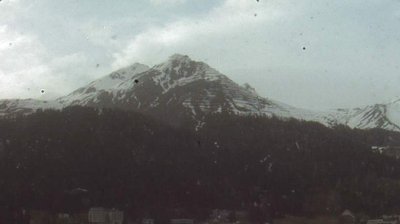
(112,83)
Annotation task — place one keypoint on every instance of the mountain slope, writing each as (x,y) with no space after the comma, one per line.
(182,91)
(13,107)
(385,116)
(123,158)
(108,85)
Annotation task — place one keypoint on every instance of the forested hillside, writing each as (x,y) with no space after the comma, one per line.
(268,166)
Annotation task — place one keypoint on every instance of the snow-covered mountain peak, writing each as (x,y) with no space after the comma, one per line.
(183,66)
(129,71)
(180,70)
(179,57)
(249,88)
(183,90)
(175,62)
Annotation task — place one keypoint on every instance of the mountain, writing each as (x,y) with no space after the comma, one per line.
(385,116)
(12,107)
(183,91)
(126,159)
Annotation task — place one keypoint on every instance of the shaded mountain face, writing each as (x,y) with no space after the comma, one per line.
(123,158)
(182,91)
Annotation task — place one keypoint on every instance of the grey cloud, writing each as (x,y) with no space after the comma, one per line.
(350,56)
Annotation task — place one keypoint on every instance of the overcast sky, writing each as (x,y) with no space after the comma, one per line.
(307,53)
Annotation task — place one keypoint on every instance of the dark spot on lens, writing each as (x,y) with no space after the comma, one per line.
(136,81)
(255,14)
(304,48)
(97,65)
(42,91)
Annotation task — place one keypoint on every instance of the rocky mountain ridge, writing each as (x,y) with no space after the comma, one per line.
(182,90)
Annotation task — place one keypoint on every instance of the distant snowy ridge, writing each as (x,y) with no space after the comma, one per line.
(385,116)
(181,88)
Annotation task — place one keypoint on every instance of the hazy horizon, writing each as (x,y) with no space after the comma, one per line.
(308,54)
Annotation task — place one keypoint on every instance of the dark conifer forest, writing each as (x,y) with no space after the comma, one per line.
(79,157)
